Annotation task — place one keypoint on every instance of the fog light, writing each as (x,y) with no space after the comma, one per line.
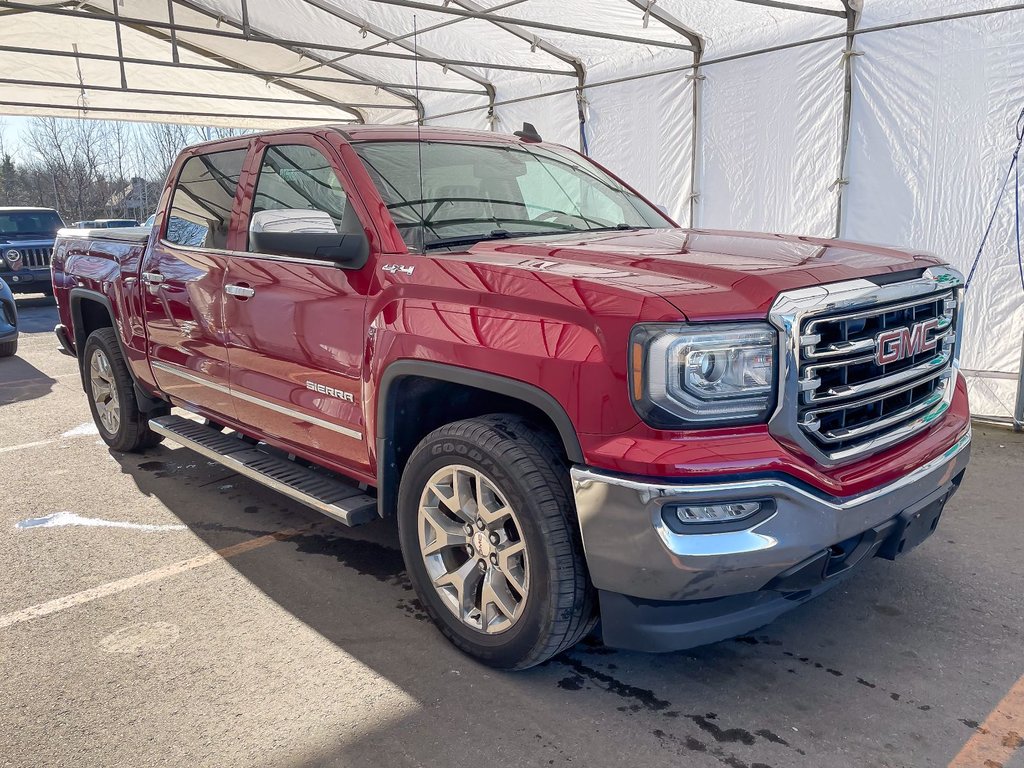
(718,513)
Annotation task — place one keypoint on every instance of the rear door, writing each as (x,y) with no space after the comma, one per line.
(295,326)
(183,281)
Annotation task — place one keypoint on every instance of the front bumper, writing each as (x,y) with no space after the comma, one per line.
(28,279)
(640,564)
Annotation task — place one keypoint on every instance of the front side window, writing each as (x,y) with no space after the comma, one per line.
(443,194)
(299,191)
(203,198)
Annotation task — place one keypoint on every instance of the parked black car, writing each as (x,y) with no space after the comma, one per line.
(26,245)
(8,321)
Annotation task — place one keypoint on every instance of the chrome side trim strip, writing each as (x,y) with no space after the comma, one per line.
(297,415)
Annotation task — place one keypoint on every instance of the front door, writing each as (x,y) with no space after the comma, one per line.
(295,326)
(182,283)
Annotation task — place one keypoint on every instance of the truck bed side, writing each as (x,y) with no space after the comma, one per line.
(96,284)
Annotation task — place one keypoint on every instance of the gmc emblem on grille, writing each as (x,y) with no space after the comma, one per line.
(900,343)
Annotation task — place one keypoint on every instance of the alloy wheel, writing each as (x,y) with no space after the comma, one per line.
(472,543)
(104,392)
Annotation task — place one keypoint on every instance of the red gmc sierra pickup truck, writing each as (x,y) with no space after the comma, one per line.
(575,409)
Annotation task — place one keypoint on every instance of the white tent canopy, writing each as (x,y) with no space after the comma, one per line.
(880,120)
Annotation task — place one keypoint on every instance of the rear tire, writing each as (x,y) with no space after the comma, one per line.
(111,392)
(522,593)
(8,348)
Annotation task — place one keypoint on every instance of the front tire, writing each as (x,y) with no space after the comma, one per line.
(488,533)
(8,348)
(111,392)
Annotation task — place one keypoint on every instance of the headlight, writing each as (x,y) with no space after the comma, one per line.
(702,374)
(13,257)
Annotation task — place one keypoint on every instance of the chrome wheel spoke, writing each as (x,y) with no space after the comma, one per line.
(461,584)
(497,596)
(471,542)
(445,532)
(511,560)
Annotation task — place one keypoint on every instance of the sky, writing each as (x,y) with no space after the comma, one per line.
(12,129)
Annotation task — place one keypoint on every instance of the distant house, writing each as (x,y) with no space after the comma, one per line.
(137,200)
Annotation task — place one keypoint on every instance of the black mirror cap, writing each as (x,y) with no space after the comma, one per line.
(350,251)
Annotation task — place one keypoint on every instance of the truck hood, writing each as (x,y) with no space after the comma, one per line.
(705,274)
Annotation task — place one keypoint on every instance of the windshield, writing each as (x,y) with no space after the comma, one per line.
(22,224)
(483,191)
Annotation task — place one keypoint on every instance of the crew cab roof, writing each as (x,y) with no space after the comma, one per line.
(356,133)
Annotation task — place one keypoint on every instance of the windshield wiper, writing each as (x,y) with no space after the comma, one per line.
(502,234)
(494,234)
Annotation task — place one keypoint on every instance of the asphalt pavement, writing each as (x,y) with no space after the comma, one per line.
(158,610)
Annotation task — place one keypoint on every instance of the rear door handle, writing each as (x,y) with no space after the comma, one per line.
(152,278)
(240,291)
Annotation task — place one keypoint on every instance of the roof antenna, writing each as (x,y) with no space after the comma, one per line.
(528,134)
(419,122)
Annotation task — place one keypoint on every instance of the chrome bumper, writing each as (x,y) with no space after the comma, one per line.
(631,551)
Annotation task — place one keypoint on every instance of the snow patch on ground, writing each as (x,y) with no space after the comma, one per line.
(59,519)
(82,430)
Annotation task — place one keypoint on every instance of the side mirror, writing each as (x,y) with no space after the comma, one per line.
(306,233)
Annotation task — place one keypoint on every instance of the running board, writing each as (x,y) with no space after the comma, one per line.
(330,495)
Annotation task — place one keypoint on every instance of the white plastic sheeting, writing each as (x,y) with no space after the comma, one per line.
(933,133)
(745,141)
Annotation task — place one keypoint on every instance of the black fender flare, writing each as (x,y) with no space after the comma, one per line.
(387,479)
(147,402)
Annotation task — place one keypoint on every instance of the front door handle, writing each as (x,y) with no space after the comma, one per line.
(240,291)
(152,278)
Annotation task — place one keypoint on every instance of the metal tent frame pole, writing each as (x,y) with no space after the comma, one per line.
(1018,411)
(548,48)
(416,49)
(842,181)
(749,54)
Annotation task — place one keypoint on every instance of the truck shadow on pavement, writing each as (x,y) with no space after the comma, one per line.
(773,699)
(21,381)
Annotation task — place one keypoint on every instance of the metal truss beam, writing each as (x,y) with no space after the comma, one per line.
(193,95)
(670,21)
(136,111)
(797,7)
(528,24)
(417,49)
(551,50)
(264,74)
(261,37)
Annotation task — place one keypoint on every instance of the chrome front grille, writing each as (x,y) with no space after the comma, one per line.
(866,366)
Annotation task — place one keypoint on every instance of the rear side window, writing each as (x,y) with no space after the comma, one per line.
(203,198)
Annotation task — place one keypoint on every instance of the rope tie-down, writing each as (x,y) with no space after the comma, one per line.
(1014,168)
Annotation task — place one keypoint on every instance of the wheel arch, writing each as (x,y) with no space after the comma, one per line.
(91,310)
(475,390)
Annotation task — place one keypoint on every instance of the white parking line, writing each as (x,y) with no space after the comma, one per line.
(36,444)
(141,579)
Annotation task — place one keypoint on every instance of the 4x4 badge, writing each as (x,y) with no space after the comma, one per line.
(393,268)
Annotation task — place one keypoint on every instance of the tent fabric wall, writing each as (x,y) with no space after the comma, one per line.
(931,116)
(932,135)
(770,141)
